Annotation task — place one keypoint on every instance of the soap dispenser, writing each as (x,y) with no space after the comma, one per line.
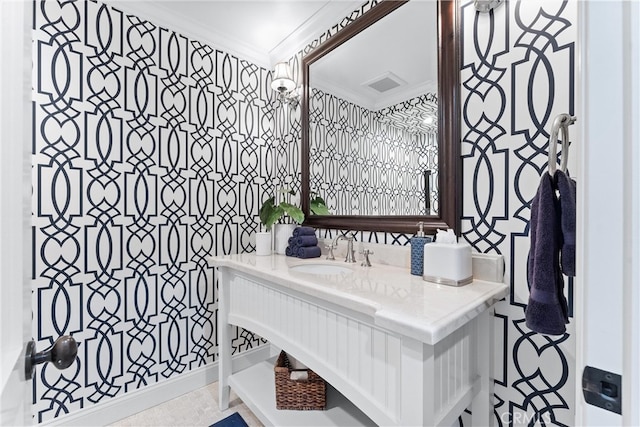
(417,251)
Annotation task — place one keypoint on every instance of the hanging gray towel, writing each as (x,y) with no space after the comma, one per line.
(547,311)
(567,189)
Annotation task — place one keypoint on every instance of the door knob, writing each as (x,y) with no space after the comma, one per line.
(62,354)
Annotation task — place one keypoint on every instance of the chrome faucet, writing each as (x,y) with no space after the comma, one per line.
(351,254)
(365,260)
(330,247)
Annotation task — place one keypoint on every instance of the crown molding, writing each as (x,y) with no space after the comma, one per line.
(157,13)
(328,16)
(160,15)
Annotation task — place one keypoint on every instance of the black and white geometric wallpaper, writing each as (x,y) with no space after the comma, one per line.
(365,162)
(151,151)
(518,73)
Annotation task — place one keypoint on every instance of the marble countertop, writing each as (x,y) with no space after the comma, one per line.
(394,298)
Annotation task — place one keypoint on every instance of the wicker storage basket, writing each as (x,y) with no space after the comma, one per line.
(300,395)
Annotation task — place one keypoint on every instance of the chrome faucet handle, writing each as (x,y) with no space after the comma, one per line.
(365,261)
(330,247)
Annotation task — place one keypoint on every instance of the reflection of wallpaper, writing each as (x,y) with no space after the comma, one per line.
(513,84)
(362,163)
(151,151)
(410,114)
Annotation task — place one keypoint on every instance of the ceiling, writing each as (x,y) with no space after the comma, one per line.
(398,55)
(264,31)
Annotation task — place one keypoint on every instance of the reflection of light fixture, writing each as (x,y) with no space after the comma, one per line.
(284,84)
(428,120)
(486,5)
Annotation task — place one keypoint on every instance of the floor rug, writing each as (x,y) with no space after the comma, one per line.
(233,420)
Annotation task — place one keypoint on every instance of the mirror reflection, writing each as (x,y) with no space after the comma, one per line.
(373,141)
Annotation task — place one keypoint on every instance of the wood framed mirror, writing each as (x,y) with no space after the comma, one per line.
(447,211)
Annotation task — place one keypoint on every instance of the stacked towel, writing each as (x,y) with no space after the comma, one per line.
(304,231)
(552,232)
(303,243)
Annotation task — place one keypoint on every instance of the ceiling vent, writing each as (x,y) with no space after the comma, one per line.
(385,82)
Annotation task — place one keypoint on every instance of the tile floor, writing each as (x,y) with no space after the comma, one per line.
(198,408)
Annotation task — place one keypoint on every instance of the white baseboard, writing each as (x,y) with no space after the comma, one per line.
(136,401)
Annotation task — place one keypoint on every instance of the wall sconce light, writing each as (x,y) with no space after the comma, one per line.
(284,84)
(484,6)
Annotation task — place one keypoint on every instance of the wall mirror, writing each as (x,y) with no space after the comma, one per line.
(381,121)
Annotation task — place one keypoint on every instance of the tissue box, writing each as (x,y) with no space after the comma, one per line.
(447,263)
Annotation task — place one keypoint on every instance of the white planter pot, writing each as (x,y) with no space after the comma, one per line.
(263,243)
(283,232)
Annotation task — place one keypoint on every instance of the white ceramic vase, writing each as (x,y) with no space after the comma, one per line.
(282,233)
(263,243)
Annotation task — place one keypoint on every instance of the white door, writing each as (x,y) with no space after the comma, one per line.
(15,208)
(608,292)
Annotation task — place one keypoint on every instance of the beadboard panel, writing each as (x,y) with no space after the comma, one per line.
(366,364)
(253,306)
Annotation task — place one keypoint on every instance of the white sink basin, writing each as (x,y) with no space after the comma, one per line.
(321,269)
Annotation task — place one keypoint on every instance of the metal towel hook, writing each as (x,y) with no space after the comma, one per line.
(561,122)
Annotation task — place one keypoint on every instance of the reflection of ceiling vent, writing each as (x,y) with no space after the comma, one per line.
(385,82)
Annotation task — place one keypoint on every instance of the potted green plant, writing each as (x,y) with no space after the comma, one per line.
(272,215)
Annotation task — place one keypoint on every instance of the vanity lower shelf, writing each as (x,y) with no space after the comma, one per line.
(256,387)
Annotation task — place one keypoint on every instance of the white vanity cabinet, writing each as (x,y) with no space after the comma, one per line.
(402,351)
